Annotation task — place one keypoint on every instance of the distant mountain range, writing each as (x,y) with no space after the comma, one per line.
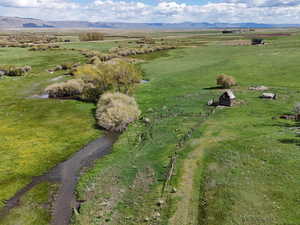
(17,22)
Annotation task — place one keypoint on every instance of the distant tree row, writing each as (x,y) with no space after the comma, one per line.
(91,36)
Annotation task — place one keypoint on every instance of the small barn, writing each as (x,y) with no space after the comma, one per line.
(231,31)
(257,41)
(227,31)
(227,98)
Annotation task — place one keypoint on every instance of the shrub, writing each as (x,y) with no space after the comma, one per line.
(120,77)
(91,36)
(90,53)
(71,89)
(67,66)
(114,50)
(94,60)
(10,70)
(90,93)
(225,81)
(43,47)
(149,40)
(116,110)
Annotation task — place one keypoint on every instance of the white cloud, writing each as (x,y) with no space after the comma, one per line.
(56,4)
(262,11)
(267,3)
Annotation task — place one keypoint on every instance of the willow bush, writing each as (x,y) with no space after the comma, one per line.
(69,89)
(115,111)
(91,36)
(10,70)
(92,80)
(120,77)
(225,81)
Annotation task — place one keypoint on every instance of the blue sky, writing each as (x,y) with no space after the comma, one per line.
(172,11)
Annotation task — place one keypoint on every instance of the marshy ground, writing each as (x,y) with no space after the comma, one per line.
(237,165)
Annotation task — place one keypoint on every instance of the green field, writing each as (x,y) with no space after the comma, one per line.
(238,165)
(37,134)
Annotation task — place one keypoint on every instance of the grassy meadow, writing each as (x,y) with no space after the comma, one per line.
(37,134)
(234,166)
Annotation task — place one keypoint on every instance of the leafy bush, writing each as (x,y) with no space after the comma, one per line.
(93,80)
(114,50)
(32,38)
(90,93)
(120,77)
(67,66)
(149,40)
(94,60)
(225,81)
(43,47)
(116,110)
(91,36)
(90,53)
(70,89)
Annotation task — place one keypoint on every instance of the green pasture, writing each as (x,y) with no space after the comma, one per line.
(249,170)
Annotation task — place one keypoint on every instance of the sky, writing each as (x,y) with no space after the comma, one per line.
(170,11)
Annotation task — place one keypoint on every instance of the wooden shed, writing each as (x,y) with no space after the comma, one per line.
(227,31)
(227,98)
(257,41)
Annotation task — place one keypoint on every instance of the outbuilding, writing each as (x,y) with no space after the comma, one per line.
(268,96)
(227,98)
(257,41)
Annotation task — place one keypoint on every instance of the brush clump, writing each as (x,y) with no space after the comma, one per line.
(225,81)
(99,78)
(115,111)
(14,71)
(69,89)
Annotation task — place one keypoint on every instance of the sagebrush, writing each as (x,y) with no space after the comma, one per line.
(225,81)
(69,89)
(115,111)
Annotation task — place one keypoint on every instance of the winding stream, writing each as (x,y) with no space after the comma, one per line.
(66,174)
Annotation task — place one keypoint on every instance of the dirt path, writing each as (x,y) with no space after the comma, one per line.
(188,206)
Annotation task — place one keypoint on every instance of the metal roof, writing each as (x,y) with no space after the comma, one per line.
(230,94)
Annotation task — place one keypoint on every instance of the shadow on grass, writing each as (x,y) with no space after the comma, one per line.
(290,141)
(296,139)
(213,88)
(96,125)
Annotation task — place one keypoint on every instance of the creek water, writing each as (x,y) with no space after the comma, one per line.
(42,96)
(66,174)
